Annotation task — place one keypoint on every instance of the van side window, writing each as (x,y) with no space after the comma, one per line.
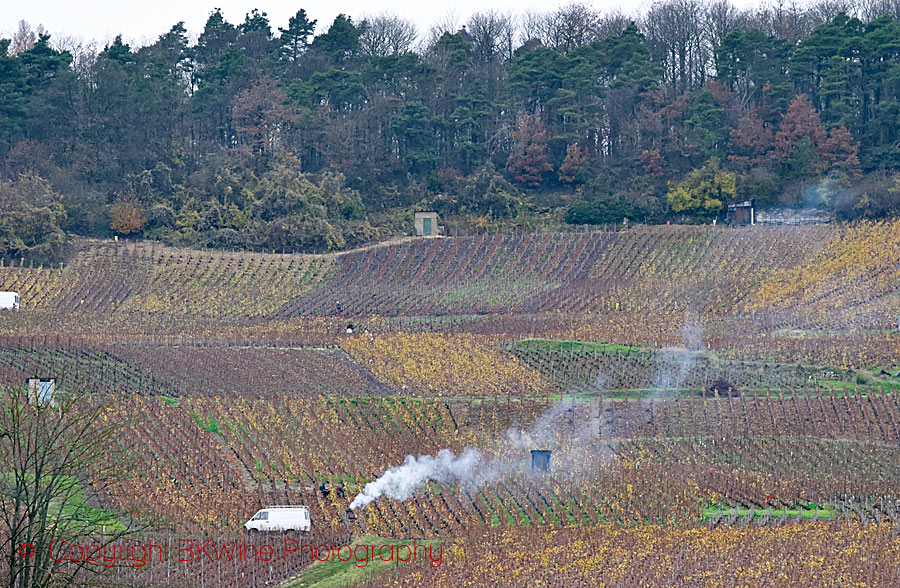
(262,516)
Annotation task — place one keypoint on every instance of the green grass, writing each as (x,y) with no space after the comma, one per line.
(562,345)
(806,511)
(75,512)
(93,519)
(854,388)
(335,573)
(213,426)
(210,426)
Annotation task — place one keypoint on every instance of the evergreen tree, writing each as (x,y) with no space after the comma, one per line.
(341,42)
(294,40)
(13,105)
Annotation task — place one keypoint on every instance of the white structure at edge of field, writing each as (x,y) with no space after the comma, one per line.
(9,301)
(41,391)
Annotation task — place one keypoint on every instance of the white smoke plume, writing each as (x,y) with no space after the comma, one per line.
(470,467)
(683,358)
(553,429)
(544,431)
(573,443)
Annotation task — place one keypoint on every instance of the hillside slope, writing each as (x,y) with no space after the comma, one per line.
(706,269)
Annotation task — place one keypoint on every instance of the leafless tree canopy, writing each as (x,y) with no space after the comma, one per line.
(492,35)
(672,31)
(84,53)
(25,37)
(870,9)
(48,457)
(448,23)
(825,10)
(720,18)
(565,29)
(387,34)
(785,20)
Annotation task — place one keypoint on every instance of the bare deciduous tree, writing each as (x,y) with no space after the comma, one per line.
(492,34)
(50,457)
(84,53)
(612,24)
(568,27)
(825,10)
(719,19)
(448,23)
(872,9)
(785,20)
(674,36)
(387,34)
(25,37)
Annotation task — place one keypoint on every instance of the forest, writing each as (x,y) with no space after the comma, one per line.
(306,136)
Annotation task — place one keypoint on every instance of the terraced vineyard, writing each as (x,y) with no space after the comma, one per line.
(451,276)
(701,389)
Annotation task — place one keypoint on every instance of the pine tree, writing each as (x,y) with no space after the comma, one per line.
(295,38)
(12,97)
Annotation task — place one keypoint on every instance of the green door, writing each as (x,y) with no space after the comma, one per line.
(426,226)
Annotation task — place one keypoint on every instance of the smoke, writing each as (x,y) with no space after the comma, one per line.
(544,432)
(471,467)
(575,448)
(676,362)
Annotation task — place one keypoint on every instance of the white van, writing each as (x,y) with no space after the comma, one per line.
(9,301)
(280,518)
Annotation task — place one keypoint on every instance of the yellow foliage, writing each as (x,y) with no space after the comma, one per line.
(860,260)
(434,363)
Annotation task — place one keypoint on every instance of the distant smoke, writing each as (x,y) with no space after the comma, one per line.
(471,467)
(574,448)
(683,359)
(546,428)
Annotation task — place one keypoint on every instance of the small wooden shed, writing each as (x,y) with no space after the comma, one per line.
(742,213)
(427,224)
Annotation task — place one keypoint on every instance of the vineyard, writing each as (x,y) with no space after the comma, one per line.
(719,402)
